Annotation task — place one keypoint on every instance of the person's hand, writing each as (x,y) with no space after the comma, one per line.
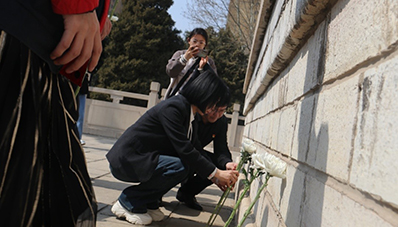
(107,28)
(231,166)
(225,178)
(80,42)
(191,52)
(203,62)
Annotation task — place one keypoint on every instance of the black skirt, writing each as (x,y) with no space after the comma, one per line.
(43,172)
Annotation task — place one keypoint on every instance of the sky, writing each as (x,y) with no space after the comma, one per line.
(177,14)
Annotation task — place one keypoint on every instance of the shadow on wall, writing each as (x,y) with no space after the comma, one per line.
(306,199)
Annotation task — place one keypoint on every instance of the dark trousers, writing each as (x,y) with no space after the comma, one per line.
(138,198)
(194,185)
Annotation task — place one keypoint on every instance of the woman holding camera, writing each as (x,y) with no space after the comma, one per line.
(185,61)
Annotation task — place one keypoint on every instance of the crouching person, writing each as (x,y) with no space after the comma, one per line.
(157,152)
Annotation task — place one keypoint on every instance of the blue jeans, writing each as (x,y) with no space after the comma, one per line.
(82,105)
(138,198)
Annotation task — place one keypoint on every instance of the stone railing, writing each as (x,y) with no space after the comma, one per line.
(111,119)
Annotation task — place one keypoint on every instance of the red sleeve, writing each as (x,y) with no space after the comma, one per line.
(105,14)
(73,6)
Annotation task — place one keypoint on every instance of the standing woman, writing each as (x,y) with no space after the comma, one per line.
(183,60)
(43,173)
(158,152)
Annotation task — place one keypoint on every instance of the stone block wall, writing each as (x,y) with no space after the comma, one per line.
(321,92)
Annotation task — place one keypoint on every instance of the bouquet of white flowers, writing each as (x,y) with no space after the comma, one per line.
(246,151)
(261,164)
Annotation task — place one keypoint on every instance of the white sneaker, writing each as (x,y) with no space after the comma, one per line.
(133,218)
(82,142)
(156,215)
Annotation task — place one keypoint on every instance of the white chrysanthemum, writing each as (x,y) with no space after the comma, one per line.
(114,18)
(248,146)
(269,163)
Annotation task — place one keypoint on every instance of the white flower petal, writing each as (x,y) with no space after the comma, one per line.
(114,18)
(269,163)
(248,146)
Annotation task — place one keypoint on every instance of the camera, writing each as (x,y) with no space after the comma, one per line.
(203,53)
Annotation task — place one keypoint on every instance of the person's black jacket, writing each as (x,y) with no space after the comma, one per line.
(162,130)
(216,132)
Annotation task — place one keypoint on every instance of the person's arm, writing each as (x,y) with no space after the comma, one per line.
(172,118)
(63,7)
(175,65)
(221,150)
(213,65)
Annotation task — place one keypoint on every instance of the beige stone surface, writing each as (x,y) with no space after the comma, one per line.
(374,167)
(331,114)
(359,31)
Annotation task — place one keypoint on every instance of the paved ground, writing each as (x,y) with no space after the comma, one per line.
(107,190)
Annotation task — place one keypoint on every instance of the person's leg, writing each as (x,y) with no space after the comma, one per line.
(138,203)
(80,121)
(194,186)
(190,189)
(42,163)
(169,172)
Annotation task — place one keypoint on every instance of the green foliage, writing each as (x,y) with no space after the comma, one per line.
(141,42)
(231,61)
(138,48)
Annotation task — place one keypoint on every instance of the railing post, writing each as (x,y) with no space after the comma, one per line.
(116,98)
(163,93)
(153,95)
(234,125)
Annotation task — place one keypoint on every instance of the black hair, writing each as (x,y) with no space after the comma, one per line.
(207,90)
(198,31)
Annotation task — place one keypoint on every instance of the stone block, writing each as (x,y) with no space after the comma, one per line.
(266,135)
(275,119)
(286,128)
(257,129)
(325,206)
(303,71)
(303,128)
(291,194)
(358,31)
(278,30)
(333,127)
(374,167)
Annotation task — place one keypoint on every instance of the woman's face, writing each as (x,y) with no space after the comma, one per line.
(212,114)
(198,41)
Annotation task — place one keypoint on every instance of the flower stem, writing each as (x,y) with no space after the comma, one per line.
(78,89)
(218,207)
(224,196)
(254,201)
(114,7)
(242,195)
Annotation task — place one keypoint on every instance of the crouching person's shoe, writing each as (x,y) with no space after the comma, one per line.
(134,218)
(190,201)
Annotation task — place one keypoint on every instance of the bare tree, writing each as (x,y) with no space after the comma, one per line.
(239,16)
